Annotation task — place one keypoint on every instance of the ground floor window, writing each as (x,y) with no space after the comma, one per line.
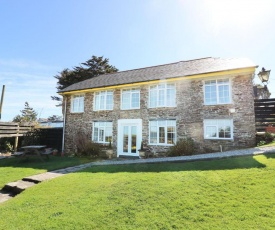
(218,128)
(162,132)
(102,132)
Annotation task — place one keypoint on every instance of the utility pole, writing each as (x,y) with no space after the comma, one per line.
(2,99)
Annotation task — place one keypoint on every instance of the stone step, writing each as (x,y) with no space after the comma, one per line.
(42,177)
(18,186)
(4,196)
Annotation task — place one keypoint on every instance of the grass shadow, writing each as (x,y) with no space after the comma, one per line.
(53,163)
(245,162)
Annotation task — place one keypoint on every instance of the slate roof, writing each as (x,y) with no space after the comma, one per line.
(162,72)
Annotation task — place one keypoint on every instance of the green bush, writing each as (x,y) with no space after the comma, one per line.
(85,147)
(90,149)
(264,139)
(183,147)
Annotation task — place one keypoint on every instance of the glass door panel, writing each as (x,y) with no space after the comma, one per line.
(125,138)
(133,139)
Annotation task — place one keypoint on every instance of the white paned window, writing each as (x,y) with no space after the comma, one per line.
(130,99)
(217,92)
(102,132)
(77,104)
(218,129)
(103,100)
(162,132)
(162,95)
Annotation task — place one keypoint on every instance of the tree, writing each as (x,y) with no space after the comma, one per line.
(28,114)
(55,118)
(95,66)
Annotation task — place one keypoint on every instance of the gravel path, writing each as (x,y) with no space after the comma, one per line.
(208,156)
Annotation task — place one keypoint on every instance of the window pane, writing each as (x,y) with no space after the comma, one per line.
(125,139)
(81,104)
(224,94)
(153,132)
(95,138)
(134,139)
(161,135)
(153,98)
(211,131)
(125,100)
(101,134)
(210,94)
(171,137)
(171,97)
(108,134)
(161,101)
(135,100)
(109,101)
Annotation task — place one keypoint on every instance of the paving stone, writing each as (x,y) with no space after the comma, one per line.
(42,177)
(4,196)
(18,186)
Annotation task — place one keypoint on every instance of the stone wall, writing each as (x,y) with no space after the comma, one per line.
(189,114)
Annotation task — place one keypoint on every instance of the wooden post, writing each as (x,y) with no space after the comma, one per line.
(16,144)
(16,139)
(2,99)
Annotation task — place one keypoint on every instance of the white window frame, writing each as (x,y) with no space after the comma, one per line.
(218,100)
(102,126)
(77,103)
(100,99)
(130,92)
(215,124)
(165,126)
(157,88)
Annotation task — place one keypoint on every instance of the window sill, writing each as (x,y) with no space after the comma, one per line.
(219,139)
(130,109)
(160,144)
(230,103)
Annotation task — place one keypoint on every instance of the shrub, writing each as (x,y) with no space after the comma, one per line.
(268,137)
(264,139)
(183,147)
(85,147)
(90,149)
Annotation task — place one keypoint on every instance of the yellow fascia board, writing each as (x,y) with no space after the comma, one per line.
(203,75)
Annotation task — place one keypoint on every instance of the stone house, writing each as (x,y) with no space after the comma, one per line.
(208,99)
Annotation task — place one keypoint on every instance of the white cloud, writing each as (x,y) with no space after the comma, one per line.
(27,81)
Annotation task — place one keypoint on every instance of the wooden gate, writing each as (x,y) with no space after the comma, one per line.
(264,113)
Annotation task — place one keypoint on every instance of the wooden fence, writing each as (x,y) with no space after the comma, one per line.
(264,113)
(14,129)
(51,137)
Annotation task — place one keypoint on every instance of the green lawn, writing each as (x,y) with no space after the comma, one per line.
(13,169)
(234,193)
(270,144)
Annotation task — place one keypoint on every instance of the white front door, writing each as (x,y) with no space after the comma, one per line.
(129,137)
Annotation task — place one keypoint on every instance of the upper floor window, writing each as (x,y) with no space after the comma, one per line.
(103,100)
(162,132)
(130,99)
(218,129)
(77,104)
(217,92)
(102,132)
(162,95)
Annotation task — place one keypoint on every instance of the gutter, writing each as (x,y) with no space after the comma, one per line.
(64,125)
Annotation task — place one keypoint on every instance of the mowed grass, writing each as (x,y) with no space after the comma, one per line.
(233,193)
(13,169)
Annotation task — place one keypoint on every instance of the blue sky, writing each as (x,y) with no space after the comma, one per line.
(38,39)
